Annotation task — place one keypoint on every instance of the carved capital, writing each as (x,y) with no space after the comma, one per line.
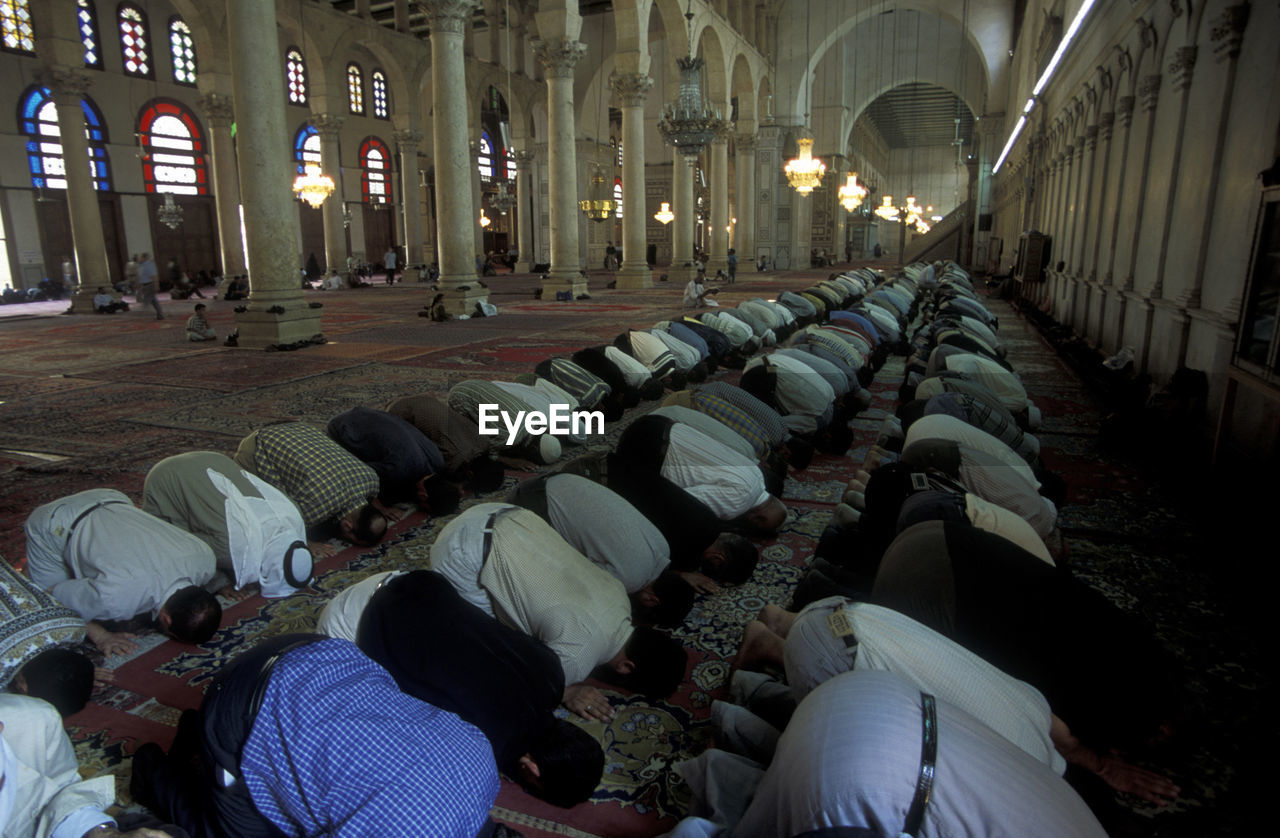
(66,83)
(408,140)
(1124,109)
(632,88)
(559,56)
(448,15)
(1182,67)
(1228,32)
(1149,90)
(1091,136)
(218,108)
(1105,123)
(523,157)
(745,143)
(328,124)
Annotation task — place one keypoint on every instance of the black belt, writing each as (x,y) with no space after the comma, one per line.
(488,536)
(264,675)
(93,508)
(928,760)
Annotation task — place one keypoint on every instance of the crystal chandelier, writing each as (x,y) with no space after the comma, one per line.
(664,215)
(913,210)
(805,171)
(169,214)
(690,122)
(887,210)
(312,186)
(852,193)
(599,206)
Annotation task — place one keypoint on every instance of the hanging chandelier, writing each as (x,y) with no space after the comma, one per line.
(502,200)
(485,221)
(169,214)
(312,186)
(912,210)
(664,215)
(805,171)
(887,210)
(690,122)
(599,206)
(852,193)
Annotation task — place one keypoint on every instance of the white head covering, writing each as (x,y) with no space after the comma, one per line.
(264,534)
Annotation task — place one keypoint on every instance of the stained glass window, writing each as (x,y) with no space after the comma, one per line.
(15,24)
(617,197)
(355,88)
(183,50)
(174,147)
(381,105)
(39,121)
(87,18)
(306,147)
(484,157)
(375,160)
(296,76)
(134,41)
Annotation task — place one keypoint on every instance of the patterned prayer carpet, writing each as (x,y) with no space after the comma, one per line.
(87,402)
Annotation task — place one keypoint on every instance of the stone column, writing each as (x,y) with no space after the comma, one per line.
(90,249)
(454,241)
(477,199)
(220,114)
(329,126)
(526,214)
(401,15)
(411,193)
(559,56)
(719,250)
(1084,199)
(682,226)
(276,313)
(632,89)
(745,164)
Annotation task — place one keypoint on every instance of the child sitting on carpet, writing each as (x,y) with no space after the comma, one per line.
(198,328)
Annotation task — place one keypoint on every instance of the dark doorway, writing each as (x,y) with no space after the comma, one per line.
(55,233)
(313,235)
(377,233)
(194,243)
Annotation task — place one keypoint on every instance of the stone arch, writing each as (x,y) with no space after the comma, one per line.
(370,55)
(711,49)
(743,87)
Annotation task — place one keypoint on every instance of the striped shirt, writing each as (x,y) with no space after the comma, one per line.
(943,426)
(994,420)
(652,352)
(337,749)
(324,479)
(467,396)
(726,481)
(585,386)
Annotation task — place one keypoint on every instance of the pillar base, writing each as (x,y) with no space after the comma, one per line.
(81,300)
(457,301)
(260,328)
(635,276)
(554,282)
(523,267)
(680,273)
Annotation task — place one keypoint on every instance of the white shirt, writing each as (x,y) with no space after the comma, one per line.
(1004,384)
(686,356)
(43,795)
(634,372)
(944,426)
(726,481)
(890,641)
(117,562)
(341,615)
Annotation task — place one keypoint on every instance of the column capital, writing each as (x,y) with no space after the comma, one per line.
(1105,123)
(1149,91)
(1227,33)
(745,143)
(723,132)
(632,88)
(523,156)
(448,15)
(559,55)
(1182,67)
(66,81)
(328,124)
(1091,137)
(1124,109)
(218,108)
(408,140)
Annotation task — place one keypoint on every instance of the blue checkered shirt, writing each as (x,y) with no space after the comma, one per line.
(337,749)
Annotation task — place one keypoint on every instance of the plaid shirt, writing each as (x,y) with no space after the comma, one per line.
(999,423)
(318,474)
(766,418)
(736,418)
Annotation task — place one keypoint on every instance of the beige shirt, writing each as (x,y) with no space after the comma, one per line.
(341,616)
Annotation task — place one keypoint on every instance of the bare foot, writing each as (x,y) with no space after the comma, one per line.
(760,648)
(775,618)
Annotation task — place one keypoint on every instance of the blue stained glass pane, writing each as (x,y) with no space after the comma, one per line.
(38,182)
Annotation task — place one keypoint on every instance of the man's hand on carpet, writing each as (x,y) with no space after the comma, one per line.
(102,677)
(111,642)
(392,513)
(700,582)
(588,702)
(1129,778)
(230,592)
